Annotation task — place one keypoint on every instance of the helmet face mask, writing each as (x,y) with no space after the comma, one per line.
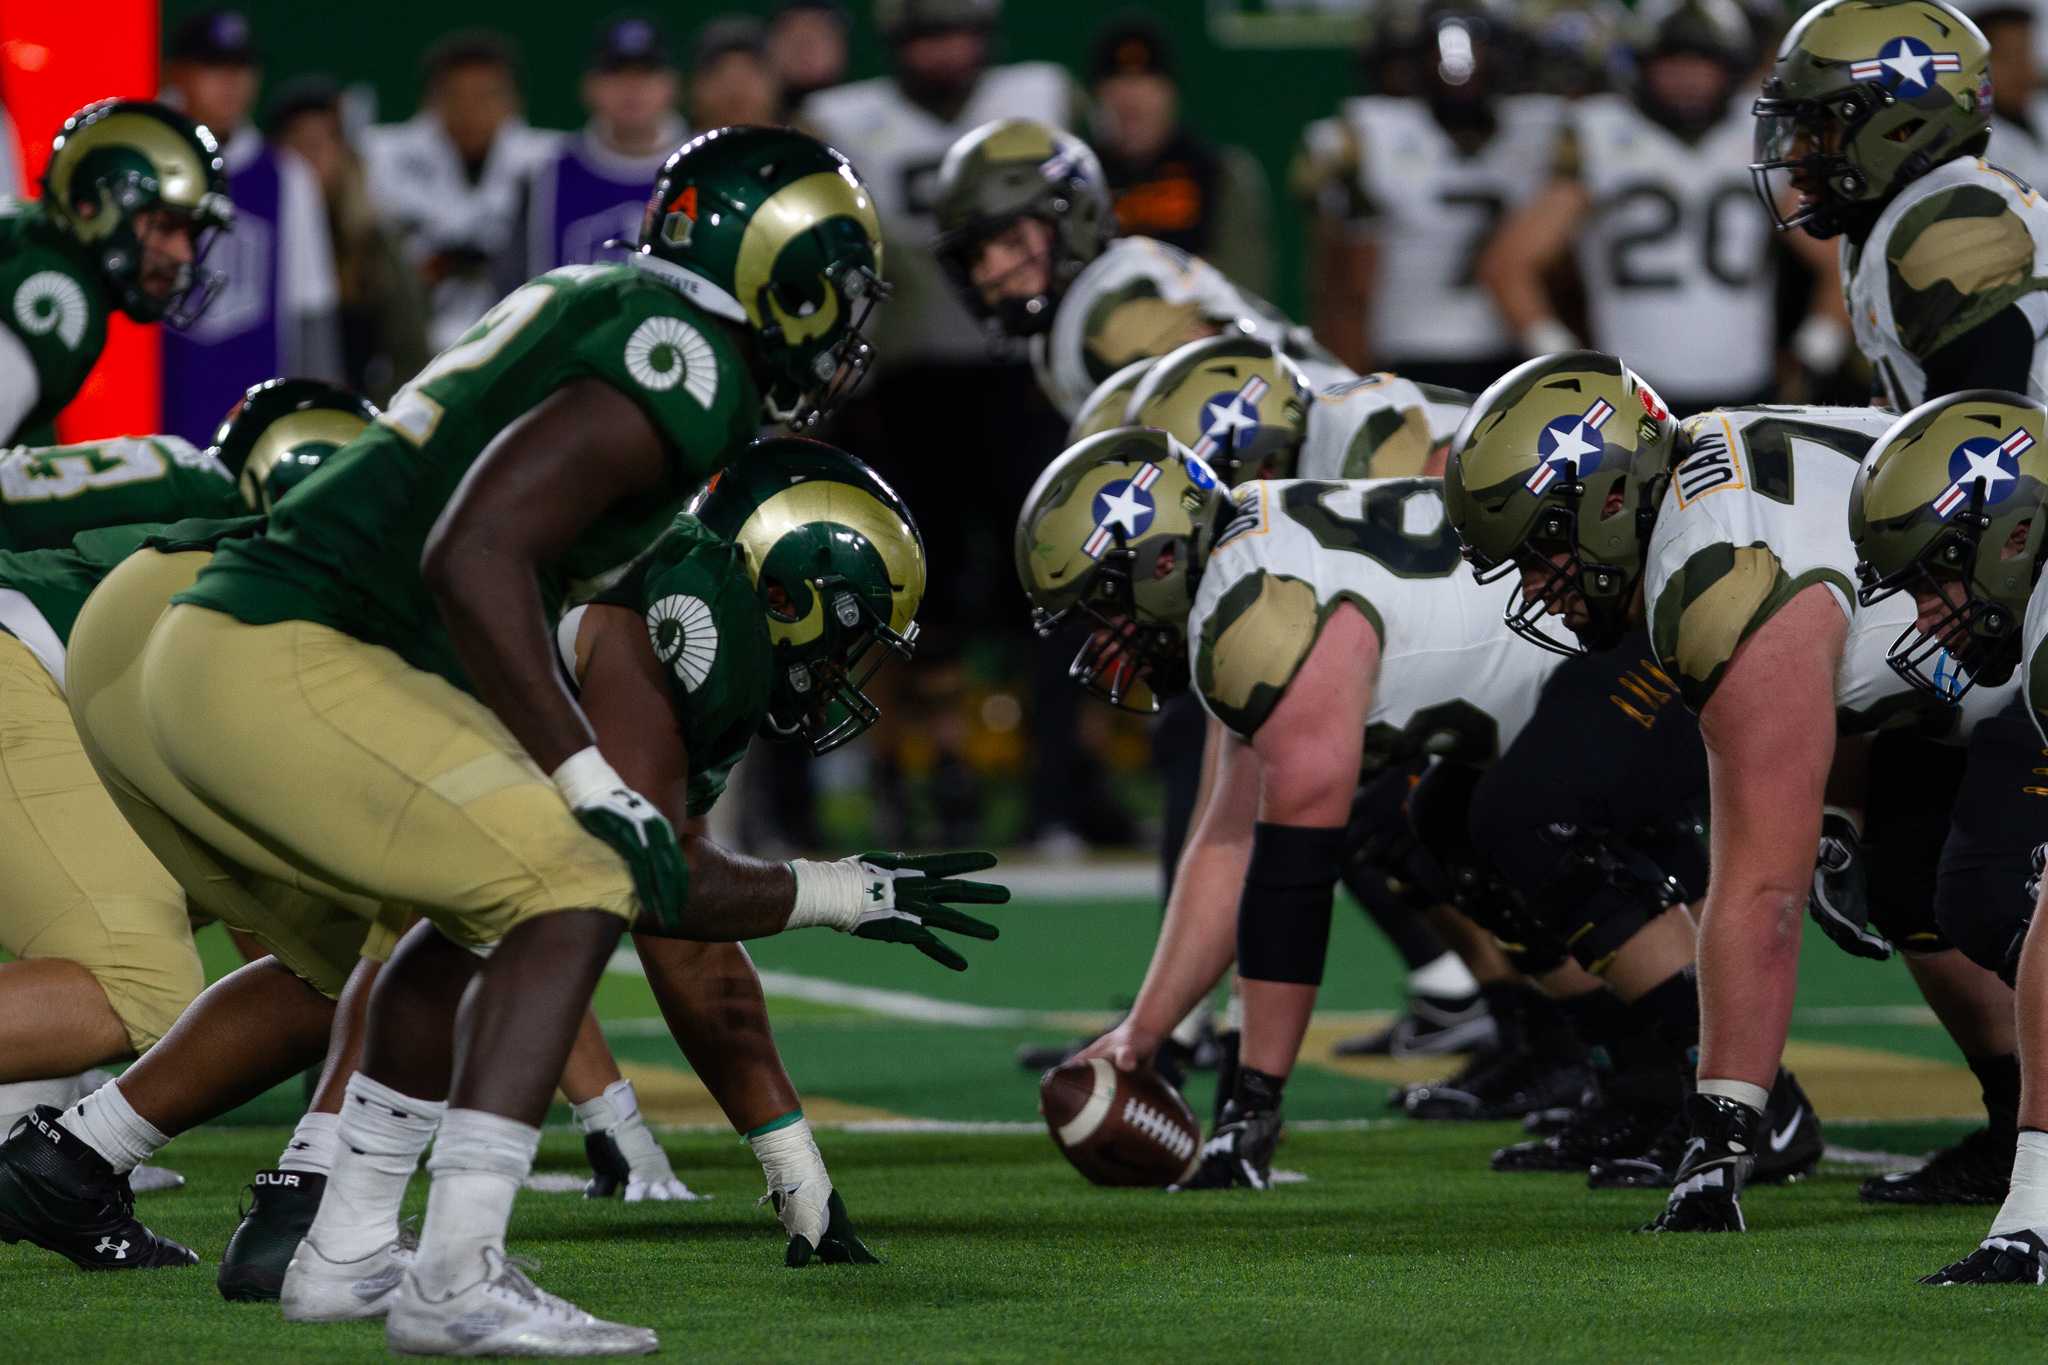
(1951,507)
(821,700)
(1126,660)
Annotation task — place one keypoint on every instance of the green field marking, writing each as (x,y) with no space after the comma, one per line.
(1401,1247)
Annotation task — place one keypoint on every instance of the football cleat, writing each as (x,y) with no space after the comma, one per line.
(2015,1258)
(1502,1085)
(1431,1026)
(316,1289)
(1608,1125)
(61,1195)
(1239,1152)
(1791,1146)
(1707,1193)
(1976,1170)
(278,1216)
(505,1314)
(154,1180)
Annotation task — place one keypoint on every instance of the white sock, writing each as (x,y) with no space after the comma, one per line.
(477,1166)
(313,1145)
(379,1139)
(107,1123)
(2026,1203)
(1188,1031)
(1443,975)
(1755,1096)
(18,1098)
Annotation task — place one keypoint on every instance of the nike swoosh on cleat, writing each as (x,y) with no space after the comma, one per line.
(1782,1138)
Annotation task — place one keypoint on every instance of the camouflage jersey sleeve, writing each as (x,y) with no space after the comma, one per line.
(51,494)
(51,304)
(709,631)
(1954,261)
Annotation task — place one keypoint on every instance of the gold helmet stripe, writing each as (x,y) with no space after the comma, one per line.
(794,209)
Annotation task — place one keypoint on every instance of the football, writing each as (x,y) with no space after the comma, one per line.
(1119,1128)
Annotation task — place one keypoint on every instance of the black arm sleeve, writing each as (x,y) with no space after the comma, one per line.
(1996,354)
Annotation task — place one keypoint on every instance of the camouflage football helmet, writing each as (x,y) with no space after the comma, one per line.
(1952,497)
(1719,30)
(1234,400)
(282,430)
(1105,405)
(1020,168)
(839,567)
(117,159)
(1571,48)
(773,230)
(1556,474)
(1865,97)
(1113,538)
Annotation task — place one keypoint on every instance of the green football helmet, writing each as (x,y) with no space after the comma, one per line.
(1865,97)
(773,230)
(1234,400)
(1954,494)
(1557,471)
(117,159)
(839,567)
(1113,538)
(282,430)
(1017,168)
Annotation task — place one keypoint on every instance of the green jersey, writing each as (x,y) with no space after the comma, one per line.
(54,312)
(50,494)
(344,549)
(42,591)
(708,628)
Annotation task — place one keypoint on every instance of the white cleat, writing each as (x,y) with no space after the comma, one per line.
(319,1290)
(153,1179)
(505,1314)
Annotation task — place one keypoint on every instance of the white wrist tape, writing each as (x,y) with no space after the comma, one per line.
(827,893)
(584,777)
(1550,336)
(789,1156)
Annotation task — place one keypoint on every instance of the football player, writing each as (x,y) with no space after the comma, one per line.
(133,195)
(1317,622)
(1948,511)
(1028,237)
(1872,128)
(1407,191)
(1726,535)
(1650,191)
(417,574)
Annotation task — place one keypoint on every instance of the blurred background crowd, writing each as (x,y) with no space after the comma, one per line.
(388,195)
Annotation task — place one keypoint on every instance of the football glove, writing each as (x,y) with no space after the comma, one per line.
(1840,899)
(907,895)
(625,1159)
(634,829)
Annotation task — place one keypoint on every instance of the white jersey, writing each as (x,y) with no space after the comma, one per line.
(1138,298)
(1378,426)
(1758,510)
(418,183)
(2033,670)
(1432,210)
(1674,254)
(1957,247)
(2022,148)
(897,146)
(1452,680)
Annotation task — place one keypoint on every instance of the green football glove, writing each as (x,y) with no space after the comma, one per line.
(907,895)
(635,830)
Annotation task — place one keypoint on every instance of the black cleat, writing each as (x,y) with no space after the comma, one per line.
(1718,1158)
(1789,1145)
(1239,1152)
(281,1209)
(2016,1258)
(1506,1085)
(1431,1026)
(1976,1170)
(1649,1169)
(1608,1125)
(61,1195)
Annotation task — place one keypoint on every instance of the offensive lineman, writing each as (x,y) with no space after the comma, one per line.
(1725,534)
(132,196)
(417,573)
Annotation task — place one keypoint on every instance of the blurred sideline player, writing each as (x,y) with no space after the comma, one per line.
(1727,536)
(64,265)
(1408,190)
(2019,113)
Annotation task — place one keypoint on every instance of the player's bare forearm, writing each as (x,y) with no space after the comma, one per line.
(539,486)
(1528,244)
(732,896)
(1344,266)
(711,997)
